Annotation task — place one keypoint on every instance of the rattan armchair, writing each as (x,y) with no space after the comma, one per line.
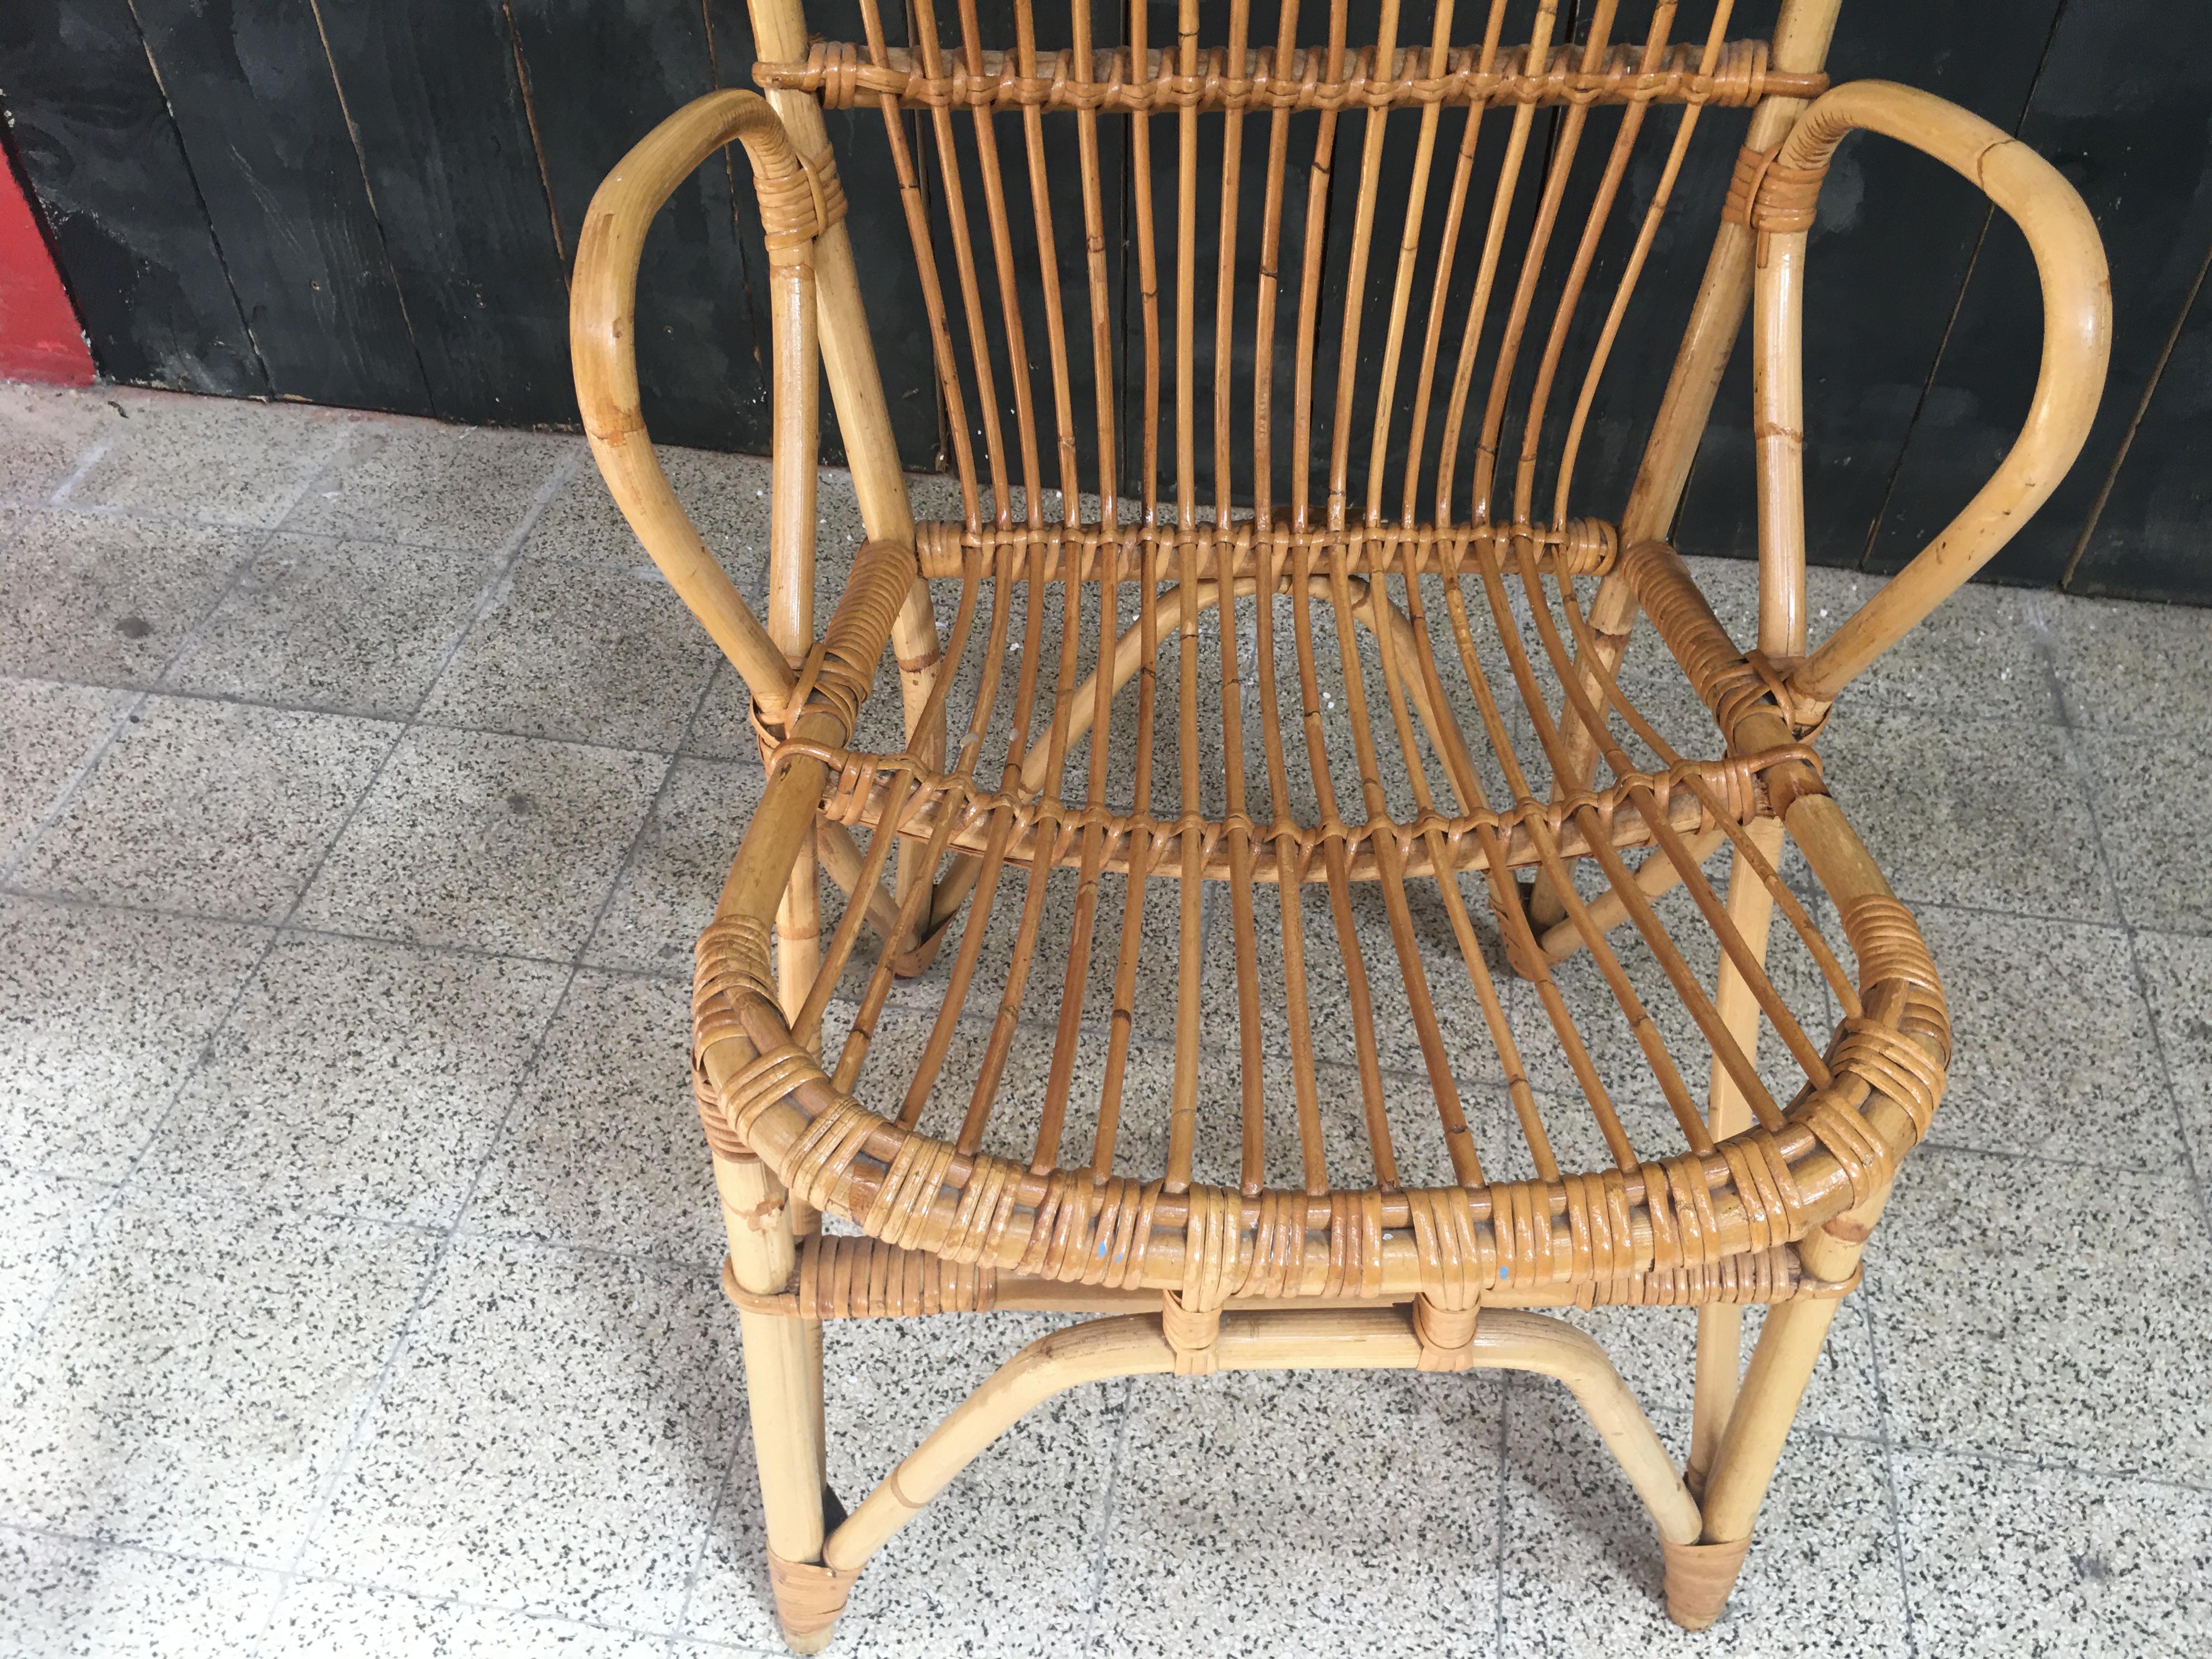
(1353,654)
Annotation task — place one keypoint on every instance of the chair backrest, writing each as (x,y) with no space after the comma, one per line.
(1330,264)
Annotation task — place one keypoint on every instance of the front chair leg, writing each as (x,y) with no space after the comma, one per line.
(1700,1576)
(783,1393)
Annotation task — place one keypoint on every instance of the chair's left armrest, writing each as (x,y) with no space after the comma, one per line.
(797,201)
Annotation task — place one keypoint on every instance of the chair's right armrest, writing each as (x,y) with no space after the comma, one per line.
(2077,331)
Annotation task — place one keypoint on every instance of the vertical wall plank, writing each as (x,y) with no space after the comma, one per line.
(1887,260)
(2123,106)
(2148,542)
(94,137)
(261,122)
(436,104)
(601,74)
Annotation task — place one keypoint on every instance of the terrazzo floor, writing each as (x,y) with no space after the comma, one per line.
(360,792)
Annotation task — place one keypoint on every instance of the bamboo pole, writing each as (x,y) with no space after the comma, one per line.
(1720,1326)
(783,1378)
(1803,30)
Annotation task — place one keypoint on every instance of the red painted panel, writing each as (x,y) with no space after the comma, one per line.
(40,339)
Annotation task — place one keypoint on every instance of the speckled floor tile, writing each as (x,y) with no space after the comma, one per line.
(430,485)
(502,843)
(593,649)
(45,1219)
(2143,668)
(2044,1310)
(1581,1562)
(2049,1036)
(1140,1144)
(195,1383)
(223,808)
(101,1014)
(1001,1563)
(725,495)
(45,432)
(1978,656)
(667,892)
(1155,994)
(317,1619)
(1655,1351)
(722,729)
(218,461)
(357,627)
(604,1148)
(561,1449)
(551,1439)
(2006,1559)
(1979,813)
(2148,803)
(47,731)
(2177,973)
(1471,1050)
(1295,1492)
(62,1596)
(359,1077)
(105,600)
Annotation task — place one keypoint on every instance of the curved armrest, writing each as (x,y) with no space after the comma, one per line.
(2077,328)
(796,201)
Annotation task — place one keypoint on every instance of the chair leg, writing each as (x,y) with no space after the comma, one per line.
(1720,1326)
(783,1393)
(1700,1576)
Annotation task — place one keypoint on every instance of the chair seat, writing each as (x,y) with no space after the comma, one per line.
(1484,766)
(1492,996)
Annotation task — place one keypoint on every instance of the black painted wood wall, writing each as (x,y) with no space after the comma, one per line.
(374,203)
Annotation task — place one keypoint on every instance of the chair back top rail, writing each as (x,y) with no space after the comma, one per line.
(1382,280)
(844,76)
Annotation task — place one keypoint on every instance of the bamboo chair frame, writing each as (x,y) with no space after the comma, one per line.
(1771,1195)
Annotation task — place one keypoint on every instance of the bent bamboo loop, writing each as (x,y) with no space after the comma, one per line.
(2077,329)
(602,338)
(1363,1339)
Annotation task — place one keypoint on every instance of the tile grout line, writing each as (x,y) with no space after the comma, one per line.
(248,700)
(95,452)
(2078,764)
(1889,1474)
(126,714)
(1094,1634)
(520,1610)
(2086,1472)
(1507,1389)
(155,517)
